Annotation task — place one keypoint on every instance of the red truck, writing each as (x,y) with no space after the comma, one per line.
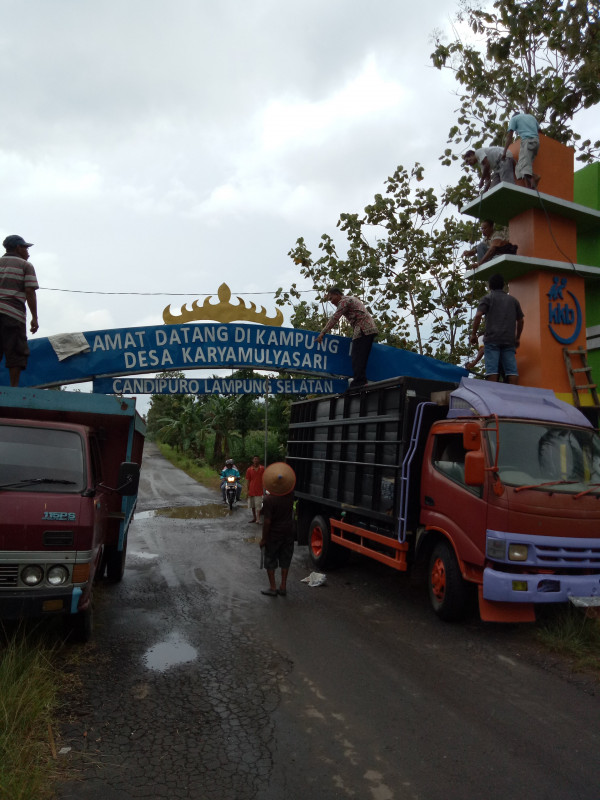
(484,486)
(69,473)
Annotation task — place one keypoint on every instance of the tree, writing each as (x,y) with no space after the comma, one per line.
(537,56)
(163,406)
(402,262)
(182,427)
(219,413)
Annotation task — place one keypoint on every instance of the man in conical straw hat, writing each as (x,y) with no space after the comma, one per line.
(277,540)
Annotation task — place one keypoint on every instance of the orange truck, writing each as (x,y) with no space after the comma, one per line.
(486,489)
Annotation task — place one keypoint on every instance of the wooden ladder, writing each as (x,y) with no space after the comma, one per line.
(585,369)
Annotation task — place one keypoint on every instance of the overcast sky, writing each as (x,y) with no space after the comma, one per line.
(154,146)
(170,145)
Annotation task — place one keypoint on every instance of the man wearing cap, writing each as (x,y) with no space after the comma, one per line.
(277,540)
(18,284)
(364,334)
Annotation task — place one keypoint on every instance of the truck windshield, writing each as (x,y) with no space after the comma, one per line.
(40,460)
(534,454)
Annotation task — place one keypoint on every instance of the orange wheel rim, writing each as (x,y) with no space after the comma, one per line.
(438,579)
(316,541)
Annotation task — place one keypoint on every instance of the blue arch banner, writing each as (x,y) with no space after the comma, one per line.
(81,357)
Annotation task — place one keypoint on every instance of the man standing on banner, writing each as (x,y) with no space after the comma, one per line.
(364,335)
(277,540)
(18,284)
(254,481)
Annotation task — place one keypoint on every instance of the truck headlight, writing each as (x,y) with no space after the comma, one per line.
(32,575)
(517,552)
(496,549)
(57,575)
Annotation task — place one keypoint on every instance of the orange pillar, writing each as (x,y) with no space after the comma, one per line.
(553,303)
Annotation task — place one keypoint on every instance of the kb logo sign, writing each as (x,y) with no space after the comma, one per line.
(563,318)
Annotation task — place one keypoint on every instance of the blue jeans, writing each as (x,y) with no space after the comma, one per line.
(500,358)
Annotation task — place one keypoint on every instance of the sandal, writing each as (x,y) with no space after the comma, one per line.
(269,592)
(282,592)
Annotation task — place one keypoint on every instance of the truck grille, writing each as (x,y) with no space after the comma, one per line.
(9,575)
(58,539)
(577,557)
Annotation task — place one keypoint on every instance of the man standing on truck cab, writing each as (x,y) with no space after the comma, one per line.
(364,335)
(18,284)
(503,326)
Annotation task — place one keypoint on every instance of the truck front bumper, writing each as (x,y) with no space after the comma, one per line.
(518,587)
(30,603)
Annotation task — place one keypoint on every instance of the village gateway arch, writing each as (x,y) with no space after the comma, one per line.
(239,337)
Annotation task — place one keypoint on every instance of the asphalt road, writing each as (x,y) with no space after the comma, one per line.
(197,686)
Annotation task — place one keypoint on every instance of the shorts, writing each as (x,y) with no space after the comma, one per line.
(527,152)
(279,554)
(13,342)
(500,359)
(255,501)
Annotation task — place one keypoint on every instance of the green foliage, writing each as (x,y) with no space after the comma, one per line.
(538,56)
(28,697)
(210,428)
(402,262)
(200,472)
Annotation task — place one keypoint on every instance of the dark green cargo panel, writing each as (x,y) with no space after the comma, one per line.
(347,450)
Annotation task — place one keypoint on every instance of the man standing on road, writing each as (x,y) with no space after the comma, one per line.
(277,540)
(18,284)
(526,127)
(364,335)
(254,481)
(503,327)
(496,166)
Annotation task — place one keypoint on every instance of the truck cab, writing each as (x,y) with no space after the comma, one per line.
(69,467)
(512,480)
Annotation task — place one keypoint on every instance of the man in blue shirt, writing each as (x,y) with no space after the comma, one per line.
(527,129)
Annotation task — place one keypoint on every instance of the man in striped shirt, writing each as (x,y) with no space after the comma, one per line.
(364,326)
(18,284)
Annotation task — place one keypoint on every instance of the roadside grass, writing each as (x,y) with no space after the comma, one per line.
(202,473)
(572,633)
(28,702)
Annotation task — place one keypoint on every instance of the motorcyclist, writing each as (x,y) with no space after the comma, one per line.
(230,469)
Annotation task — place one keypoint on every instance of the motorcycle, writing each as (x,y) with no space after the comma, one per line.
(231,491)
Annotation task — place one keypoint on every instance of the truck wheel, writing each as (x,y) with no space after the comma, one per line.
(115,562)
(322,551)
(447,589)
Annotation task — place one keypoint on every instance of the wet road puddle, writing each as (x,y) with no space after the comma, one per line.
(207,511)
(175,650)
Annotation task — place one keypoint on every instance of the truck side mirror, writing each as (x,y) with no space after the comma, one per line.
(128,478)
(471,436)
(474,468)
